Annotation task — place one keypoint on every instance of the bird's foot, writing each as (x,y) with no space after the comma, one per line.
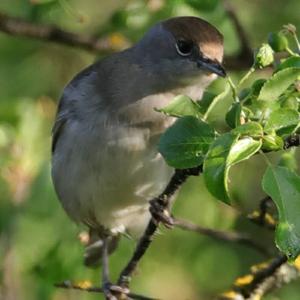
(114,292)
(160,213)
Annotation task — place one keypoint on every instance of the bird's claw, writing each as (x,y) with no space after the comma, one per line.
(115,292)
(161,214)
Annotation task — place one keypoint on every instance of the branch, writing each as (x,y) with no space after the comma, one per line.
(19,27)
(283,275)
(82,287)
(234,237)
(50,33)
(244,59)
(179,177)
(261,217)
(263,279)
(292,141)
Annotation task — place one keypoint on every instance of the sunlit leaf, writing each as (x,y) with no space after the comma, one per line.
(226,151)
(181,106)
(283,186)
(278,83)
(253,129)
(284,120)
(272,142)
(290,62)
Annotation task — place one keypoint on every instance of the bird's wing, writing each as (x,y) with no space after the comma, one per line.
(60,121)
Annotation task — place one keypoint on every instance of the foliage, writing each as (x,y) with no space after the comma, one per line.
(38,243)
(259,120)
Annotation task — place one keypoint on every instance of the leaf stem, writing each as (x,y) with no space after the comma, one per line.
(233,89)
(297,41)
(266,158)
(290,51)
(252,69)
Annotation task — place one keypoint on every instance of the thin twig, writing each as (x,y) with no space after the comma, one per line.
(283,275)
(247,287)
(179,177)
(220,235)
(20,27)
(50,33)
(292,141)
(261,217)
(69,285)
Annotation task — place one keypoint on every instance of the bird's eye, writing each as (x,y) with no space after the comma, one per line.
(184,48)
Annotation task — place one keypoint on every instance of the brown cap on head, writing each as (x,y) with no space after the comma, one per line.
(200,32)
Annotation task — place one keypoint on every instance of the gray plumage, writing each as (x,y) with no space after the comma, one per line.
(105,164)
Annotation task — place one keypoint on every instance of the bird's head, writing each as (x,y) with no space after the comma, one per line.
(182,48)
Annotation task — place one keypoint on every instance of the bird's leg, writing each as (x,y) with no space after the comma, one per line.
(106,284)
(111,292)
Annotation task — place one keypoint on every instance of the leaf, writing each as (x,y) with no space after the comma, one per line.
(262,109)
(226,151)
(253,129)
(233,116)
(272,142)
(185,144)
(278,83)
(284,120)
(283,186)
(290,102)
(216,100)
(205,101)
(257,86)
(293,61)
(181,106)
(243,149)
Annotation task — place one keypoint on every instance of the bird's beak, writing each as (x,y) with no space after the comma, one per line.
(212,66)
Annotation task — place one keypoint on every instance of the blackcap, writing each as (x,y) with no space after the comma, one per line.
(105,163)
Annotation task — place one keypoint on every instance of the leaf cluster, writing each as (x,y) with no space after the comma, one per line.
(262,115)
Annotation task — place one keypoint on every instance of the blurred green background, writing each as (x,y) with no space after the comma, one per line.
(39,245)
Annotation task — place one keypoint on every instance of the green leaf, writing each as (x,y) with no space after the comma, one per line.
(283,186)
(288,159)
(293,61)
(226,151)
(206,101)
(243,149)
(257,86)
(181,106)
(216,100)
(278,83)
(262,109)
(290,102)
(277,41)
(272,142)
(253,129)
(185,144)
(233,116)
(283,121)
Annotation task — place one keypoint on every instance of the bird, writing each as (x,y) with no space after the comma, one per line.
(105,162)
